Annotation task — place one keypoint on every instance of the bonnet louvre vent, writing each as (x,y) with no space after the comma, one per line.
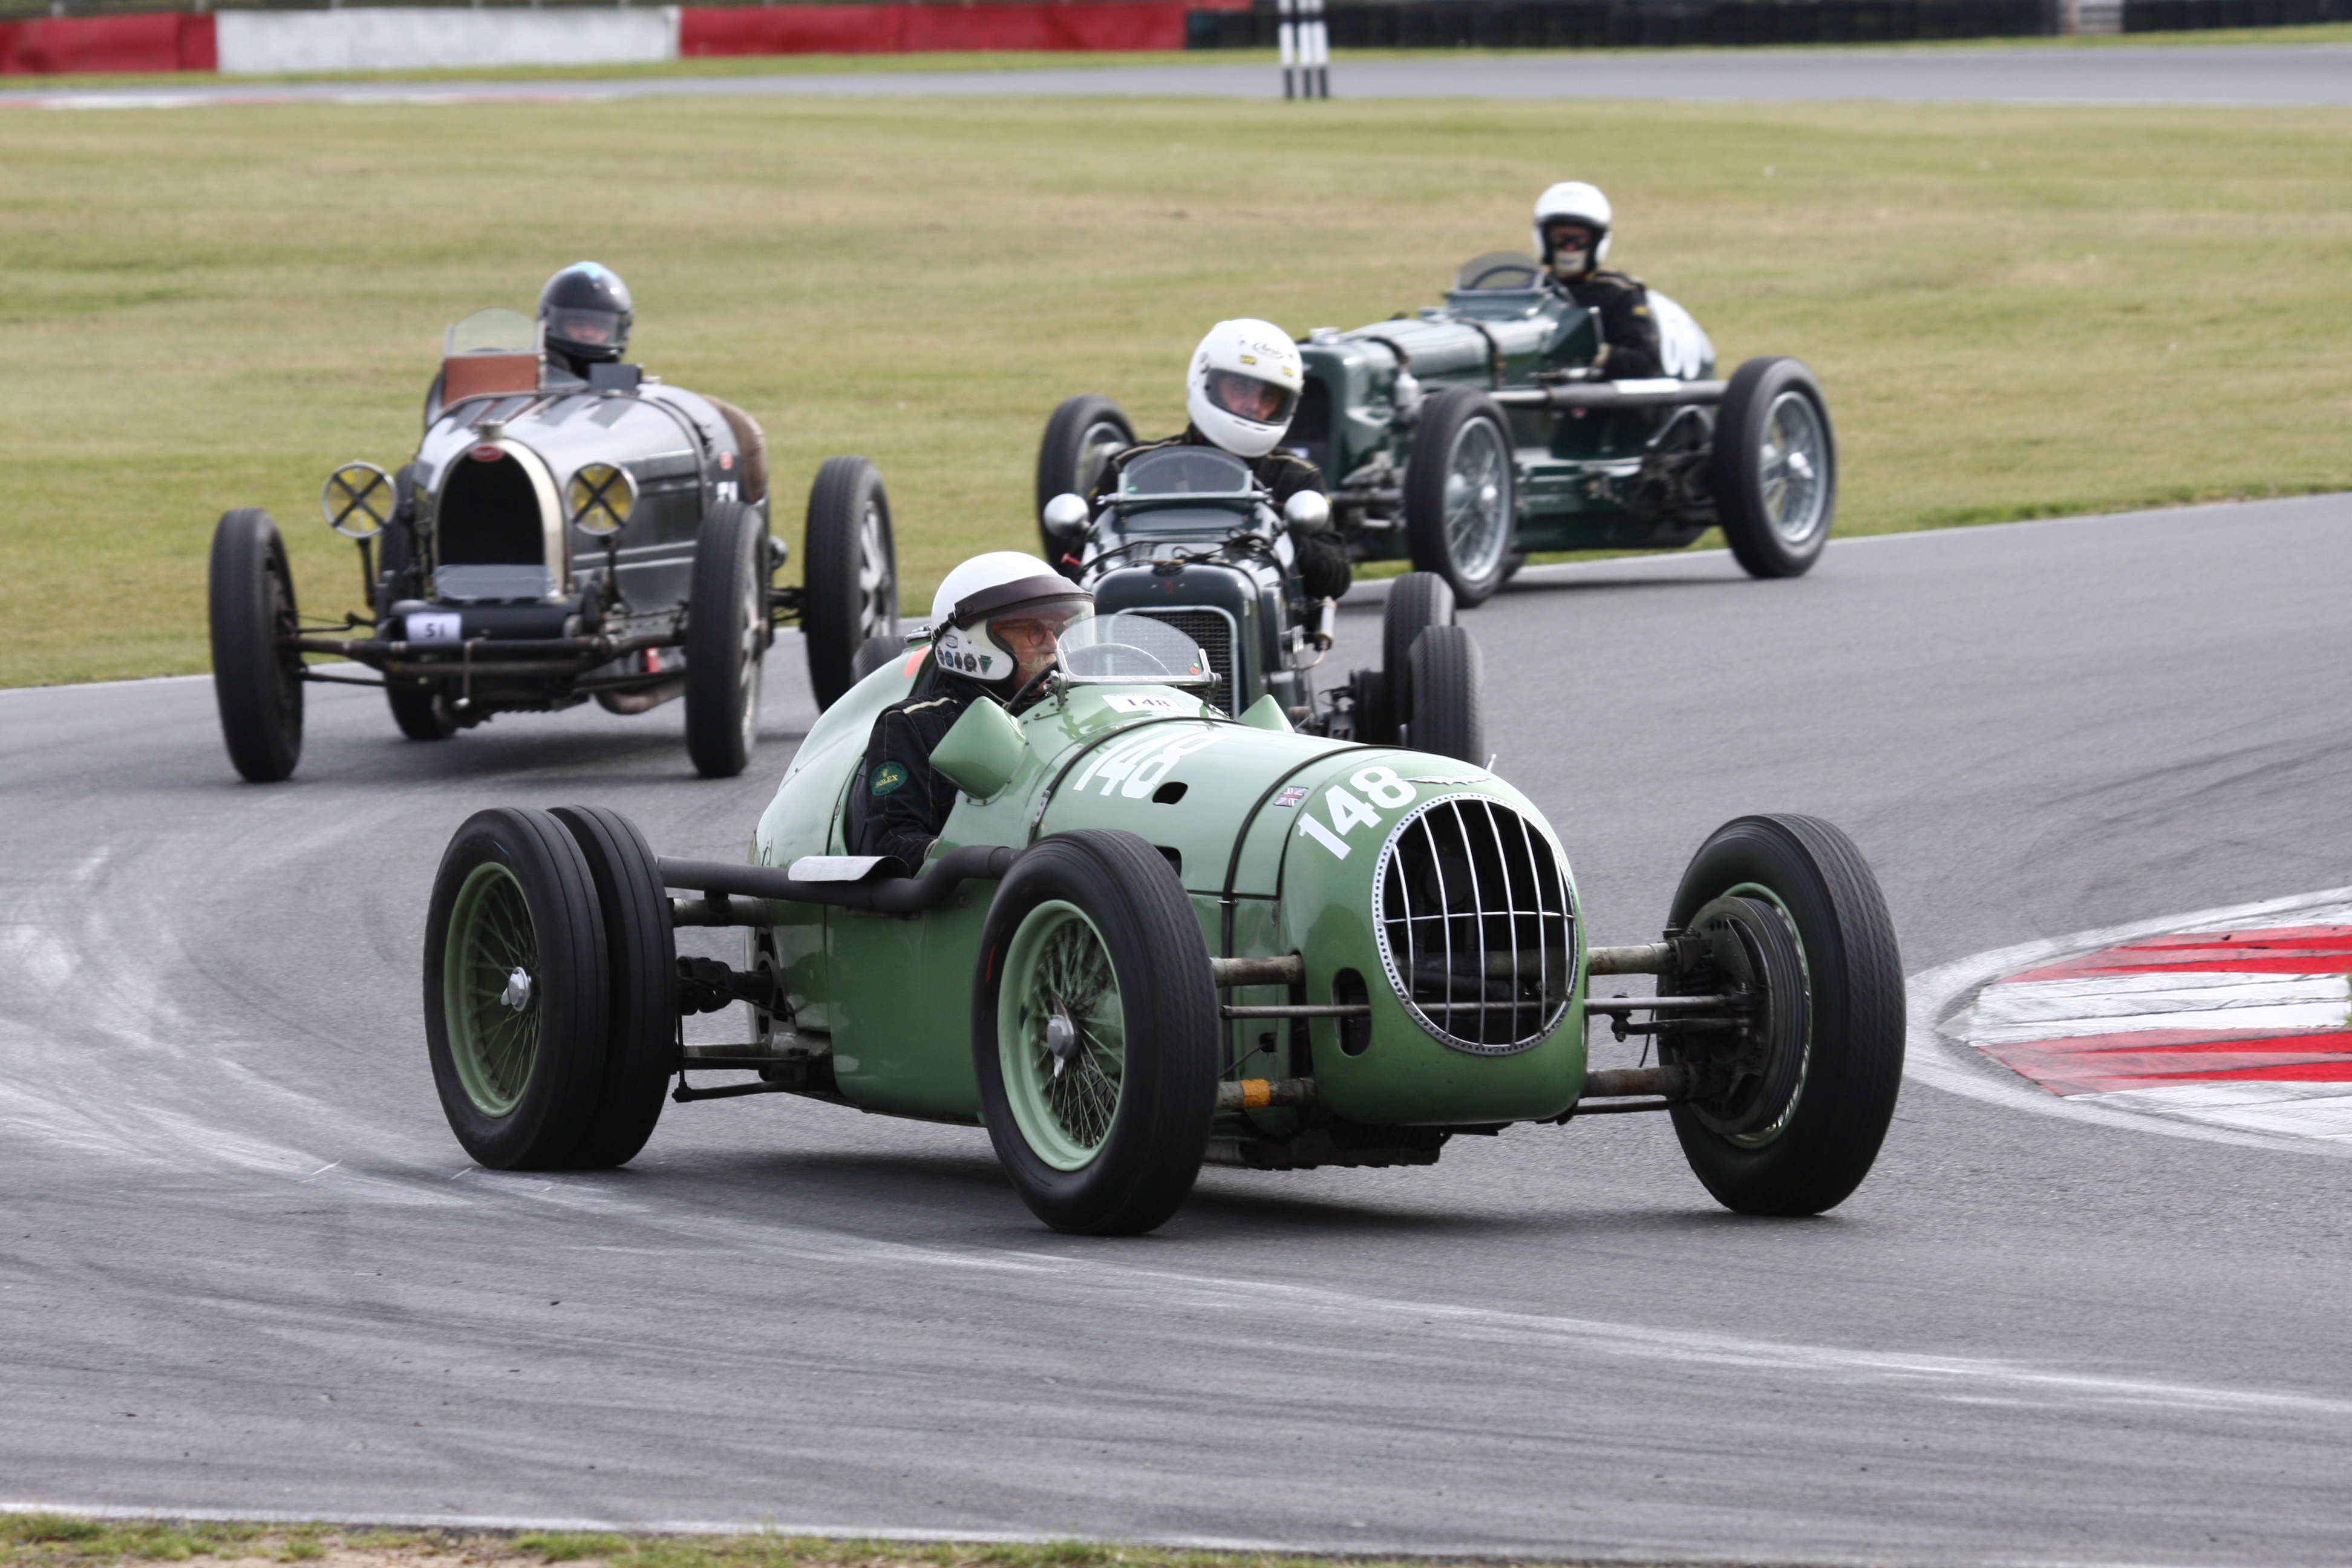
(1470,906)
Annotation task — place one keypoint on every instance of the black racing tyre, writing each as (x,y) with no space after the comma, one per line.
(1083,434)
(1774,468)
(849,574)
(1094,1033)
(1461,493)
(727,637)
(1416,602)
(257,672)
(1793,1107)
(1374,717)
(641,967)
(420,709)
(1448,711)
(516,990)
(873,654)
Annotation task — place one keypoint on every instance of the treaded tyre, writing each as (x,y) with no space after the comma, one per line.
(1083,434)
(849,592)
(1461,493)
(873,654)
(1094,1033)
(727,637)
(419,709)
(516,990)
(641,967)
(1416,602)
(256,672)
(1448,716)
(1793,1107)
(1774,468)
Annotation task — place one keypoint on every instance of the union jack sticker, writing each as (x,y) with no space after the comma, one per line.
(1290,796)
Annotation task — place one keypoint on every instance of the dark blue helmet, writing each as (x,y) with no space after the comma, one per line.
(587,310)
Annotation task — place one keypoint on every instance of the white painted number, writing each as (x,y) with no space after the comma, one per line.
(1387,790)
(433,626)
(1347,811)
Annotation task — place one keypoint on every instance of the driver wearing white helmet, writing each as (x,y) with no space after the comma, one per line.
(996,626)
(1571,235)
(1241,390)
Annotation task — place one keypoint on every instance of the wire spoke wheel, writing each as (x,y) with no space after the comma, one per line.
(1478,499)
(1063,1036)
(490,991)
(1793,463)
(877,596)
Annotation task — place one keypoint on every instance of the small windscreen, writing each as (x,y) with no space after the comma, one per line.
(1498,270)
(494,330)
(1133,648)
(1186,471)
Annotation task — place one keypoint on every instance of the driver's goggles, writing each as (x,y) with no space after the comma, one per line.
(599,328)
(1248,398)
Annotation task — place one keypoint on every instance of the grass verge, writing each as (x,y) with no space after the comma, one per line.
(55,1541)
(2016,311)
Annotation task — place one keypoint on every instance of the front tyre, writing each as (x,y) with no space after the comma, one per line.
(1461,493)
(1793,1105)
(1094,1034)
(1416,602)
(849,593)
(1774,468)
(727,636)
(516,990)
(1448,714)
(1085,432)
(641,969)
(257,671)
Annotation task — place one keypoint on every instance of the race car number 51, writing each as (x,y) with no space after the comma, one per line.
(1384,788)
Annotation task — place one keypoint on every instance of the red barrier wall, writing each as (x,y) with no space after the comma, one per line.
(904,29)
(154,42)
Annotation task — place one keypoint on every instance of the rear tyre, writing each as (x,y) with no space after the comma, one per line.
(850,583)
(1792,1107)
(516,988)
(1373,715)
(641,970)
(1461,493)
(1083,434)
(727,637)
(1448,715)
(419,709)
(1094,1034)
(1774,468)
(873,654)
(257,672)
(1417,601)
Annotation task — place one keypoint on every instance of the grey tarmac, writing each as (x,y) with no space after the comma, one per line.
(2240,75)
(245,1269)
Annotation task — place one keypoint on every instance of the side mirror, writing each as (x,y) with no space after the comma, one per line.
(1308,511)
(601,496)
(982,751)
(358,500)
(1066,514)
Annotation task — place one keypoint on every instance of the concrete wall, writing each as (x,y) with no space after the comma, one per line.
(255,43)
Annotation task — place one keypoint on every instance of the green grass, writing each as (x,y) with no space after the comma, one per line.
(2016,311)
(41,1541)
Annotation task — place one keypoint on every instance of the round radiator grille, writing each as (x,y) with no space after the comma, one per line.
(1470,906)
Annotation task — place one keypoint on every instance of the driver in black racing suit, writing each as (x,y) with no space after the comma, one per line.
(996,626)
(1571,234)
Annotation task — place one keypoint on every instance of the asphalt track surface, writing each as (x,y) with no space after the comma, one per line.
(2302,74)
(247,1270)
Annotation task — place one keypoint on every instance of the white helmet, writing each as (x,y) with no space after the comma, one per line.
(1243,386)
(987,591)
(1585,204)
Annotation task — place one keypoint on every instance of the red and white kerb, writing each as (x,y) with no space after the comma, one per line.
(2245,1029)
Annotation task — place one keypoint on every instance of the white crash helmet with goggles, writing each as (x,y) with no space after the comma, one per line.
(1243,386)
(977,614)
(1573,201)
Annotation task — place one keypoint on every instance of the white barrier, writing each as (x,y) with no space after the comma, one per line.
(408,38)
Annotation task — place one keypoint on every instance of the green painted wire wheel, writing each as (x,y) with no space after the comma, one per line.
(1061,1035)
(1094,1034)
(517,991)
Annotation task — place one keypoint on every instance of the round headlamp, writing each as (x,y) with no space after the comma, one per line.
(358,501)
(601,498)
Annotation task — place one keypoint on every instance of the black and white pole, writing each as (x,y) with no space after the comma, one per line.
(1315,52)
(1286,35)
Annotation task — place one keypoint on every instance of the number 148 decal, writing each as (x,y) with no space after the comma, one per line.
(1384,789)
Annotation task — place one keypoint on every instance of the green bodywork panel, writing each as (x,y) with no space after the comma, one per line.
(1581,478)
(1217,797)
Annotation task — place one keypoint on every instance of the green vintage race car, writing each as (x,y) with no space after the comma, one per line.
(1480,430)
(1154,936)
